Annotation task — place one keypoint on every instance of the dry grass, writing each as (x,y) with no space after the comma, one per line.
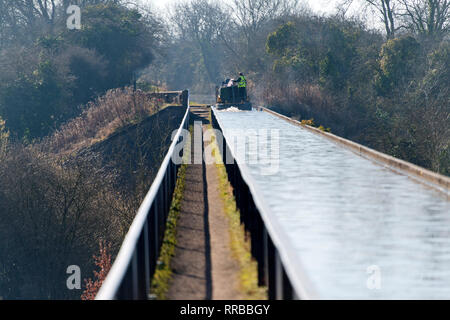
(163,273)
(54,212)
(51,217)
(101,118)
(298,99)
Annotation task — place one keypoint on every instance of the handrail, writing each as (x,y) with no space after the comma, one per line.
(291,264)
(435,180)
(129,277)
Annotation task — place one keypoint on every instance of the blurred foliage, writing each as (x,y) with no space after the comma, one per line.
(390,95)
(120,36)
(4,137)
(398,58)
(389,92)
(46,80)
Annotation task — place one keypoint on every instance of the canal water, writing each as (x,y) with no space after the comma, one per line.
(360,230)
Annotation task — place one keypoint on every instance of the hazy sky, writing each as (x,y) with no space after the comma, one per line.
(317,6)
(322,6)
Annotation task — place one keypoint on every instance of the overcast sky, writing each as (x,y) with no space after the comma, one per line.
(319,6)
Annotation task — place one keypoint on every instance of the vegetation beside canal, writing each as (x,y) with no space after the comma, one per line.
(239,241)
(163,273)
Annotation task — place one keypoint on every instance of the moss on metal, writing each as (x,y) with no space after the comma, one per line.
(240,245)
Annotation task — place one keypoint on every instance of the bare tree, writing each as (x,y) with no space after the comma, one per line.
(202,21)
(250,22)
(385,9)
(23,20)
(33,11)
(427,17)
(251,15)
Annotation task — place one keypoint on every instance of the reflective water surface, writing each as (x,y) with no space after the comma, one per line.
(350,219)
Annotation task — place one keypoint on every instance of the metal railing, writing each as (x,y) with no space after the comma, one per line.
(278,266)
(131,273)
(433,179)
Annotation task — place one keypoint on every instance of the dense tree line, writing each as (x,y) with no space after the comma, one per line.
(56,202)
(385,87)
(61,197)
(391,95)
(49,71)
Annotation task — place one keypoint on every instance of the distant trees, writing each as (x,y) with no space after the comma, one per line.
(48,74)
(221,38)
(37,96)
(389,95)
(54,211)
(382,88)
(59,198)
(252,17)
(204,22)
(51,217)
(425,17)
(417,104)
(119,35)
(322,58)
(397,63)
(386,10)
(24,20)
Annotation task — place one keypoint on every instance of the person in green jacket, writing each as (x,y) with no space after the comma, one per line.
(242,86)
